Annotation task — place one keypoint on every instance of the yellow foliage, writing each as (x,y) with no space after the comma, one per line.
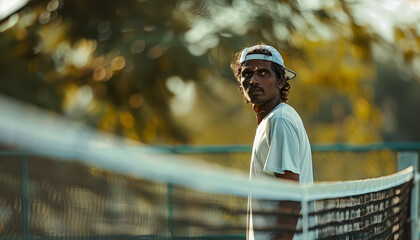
(150,130)
(51,36)
(131,134)
(127,120)
(117,63)
(362,109)
(324,133)
(329,69)
(70,91)
(108,121)
(135,101)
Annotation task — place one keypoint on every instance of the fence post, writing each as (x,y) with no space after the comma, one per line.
(25,197)
(406,159)
(170,210)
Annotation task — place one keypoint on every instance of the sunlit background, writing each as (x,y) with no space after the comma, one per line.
(108,108)
(158,71)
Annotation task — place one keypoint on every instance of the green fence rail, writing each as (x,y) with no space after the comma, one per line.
(179,149)
(187,149)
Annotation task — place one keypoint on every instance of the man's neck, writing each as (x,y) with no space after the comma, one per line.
(263,110)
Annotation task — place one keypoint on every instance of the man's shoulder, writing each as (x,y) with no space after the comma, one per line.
(284,111)
(285,115)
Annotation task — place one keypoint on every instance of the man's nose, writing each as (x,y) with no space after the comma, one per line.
(254,80)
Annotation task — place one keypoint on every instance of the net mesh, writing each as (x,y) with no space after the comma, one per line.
(81,184)
(377,215)
(382,214)
(70,199)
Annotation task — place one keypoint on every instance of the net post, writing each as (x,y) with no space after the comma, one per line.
(407,159)
(305,216)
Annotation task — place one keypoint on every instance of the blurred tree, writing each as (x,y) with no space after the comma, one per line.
(158,71)
(105,62)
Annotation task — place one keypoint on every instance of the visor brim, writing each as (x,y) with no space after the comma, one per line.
(290,73)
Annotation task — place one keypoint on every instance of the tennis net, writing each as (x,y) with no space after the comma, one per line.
(81,184)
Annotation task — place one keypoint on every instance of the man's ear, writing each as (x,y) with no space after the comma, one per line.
(281,83)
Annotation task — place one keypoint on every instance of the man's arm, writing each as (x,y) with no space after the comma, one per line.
(293,206)
(288,175)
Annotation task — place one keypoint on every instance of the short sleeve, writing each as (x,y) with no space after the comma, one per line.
(283,147)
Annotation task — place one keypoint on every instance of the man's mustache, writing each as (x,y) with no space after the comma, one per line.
(254,88)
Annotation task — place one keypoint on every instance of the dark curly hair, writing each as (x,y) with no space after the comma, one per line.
(280,72)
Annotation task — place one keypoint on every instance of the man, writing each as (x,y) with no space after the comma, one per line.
(281,147)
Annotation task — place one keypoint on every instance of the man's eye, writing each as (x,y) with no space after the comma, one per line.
(263,73)
(246,74)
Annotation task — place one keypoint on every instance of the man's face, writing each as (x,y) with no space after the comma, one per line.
(259,83)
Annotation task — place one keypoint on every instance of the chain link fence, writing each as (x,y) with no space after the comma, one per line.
(36,190)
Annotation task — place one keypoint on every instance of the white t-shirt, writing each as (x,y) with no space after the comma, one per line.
(280,144)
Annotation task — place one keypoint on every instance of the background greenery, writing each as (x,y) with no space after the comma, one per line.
(158,71)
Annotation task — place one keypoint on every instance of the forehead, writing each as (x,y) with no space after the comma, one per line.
(256,63)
